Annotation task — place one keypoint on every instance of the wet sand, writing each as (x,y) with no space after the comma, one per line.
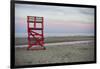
(55,54)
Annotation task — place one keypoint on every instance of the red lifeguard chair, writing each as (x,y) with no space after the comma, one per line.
(35,32)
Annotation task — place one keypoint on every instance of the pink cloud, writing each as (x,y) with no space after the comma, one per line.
(69,24)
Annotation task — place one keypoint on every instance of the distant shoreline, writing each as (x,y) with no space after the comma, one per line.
(54,34)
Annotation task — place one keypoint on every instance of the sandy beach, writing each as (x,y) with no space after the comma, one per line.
(61,53)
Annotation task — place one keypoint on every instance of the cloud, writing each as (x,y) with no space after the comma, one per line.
(56,12)
(57,19)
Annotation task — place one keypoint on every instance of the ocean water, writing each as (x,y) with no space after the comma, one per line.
(56,34)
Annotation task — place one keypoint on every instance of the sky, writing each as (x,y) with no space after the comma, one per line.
(58,20)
